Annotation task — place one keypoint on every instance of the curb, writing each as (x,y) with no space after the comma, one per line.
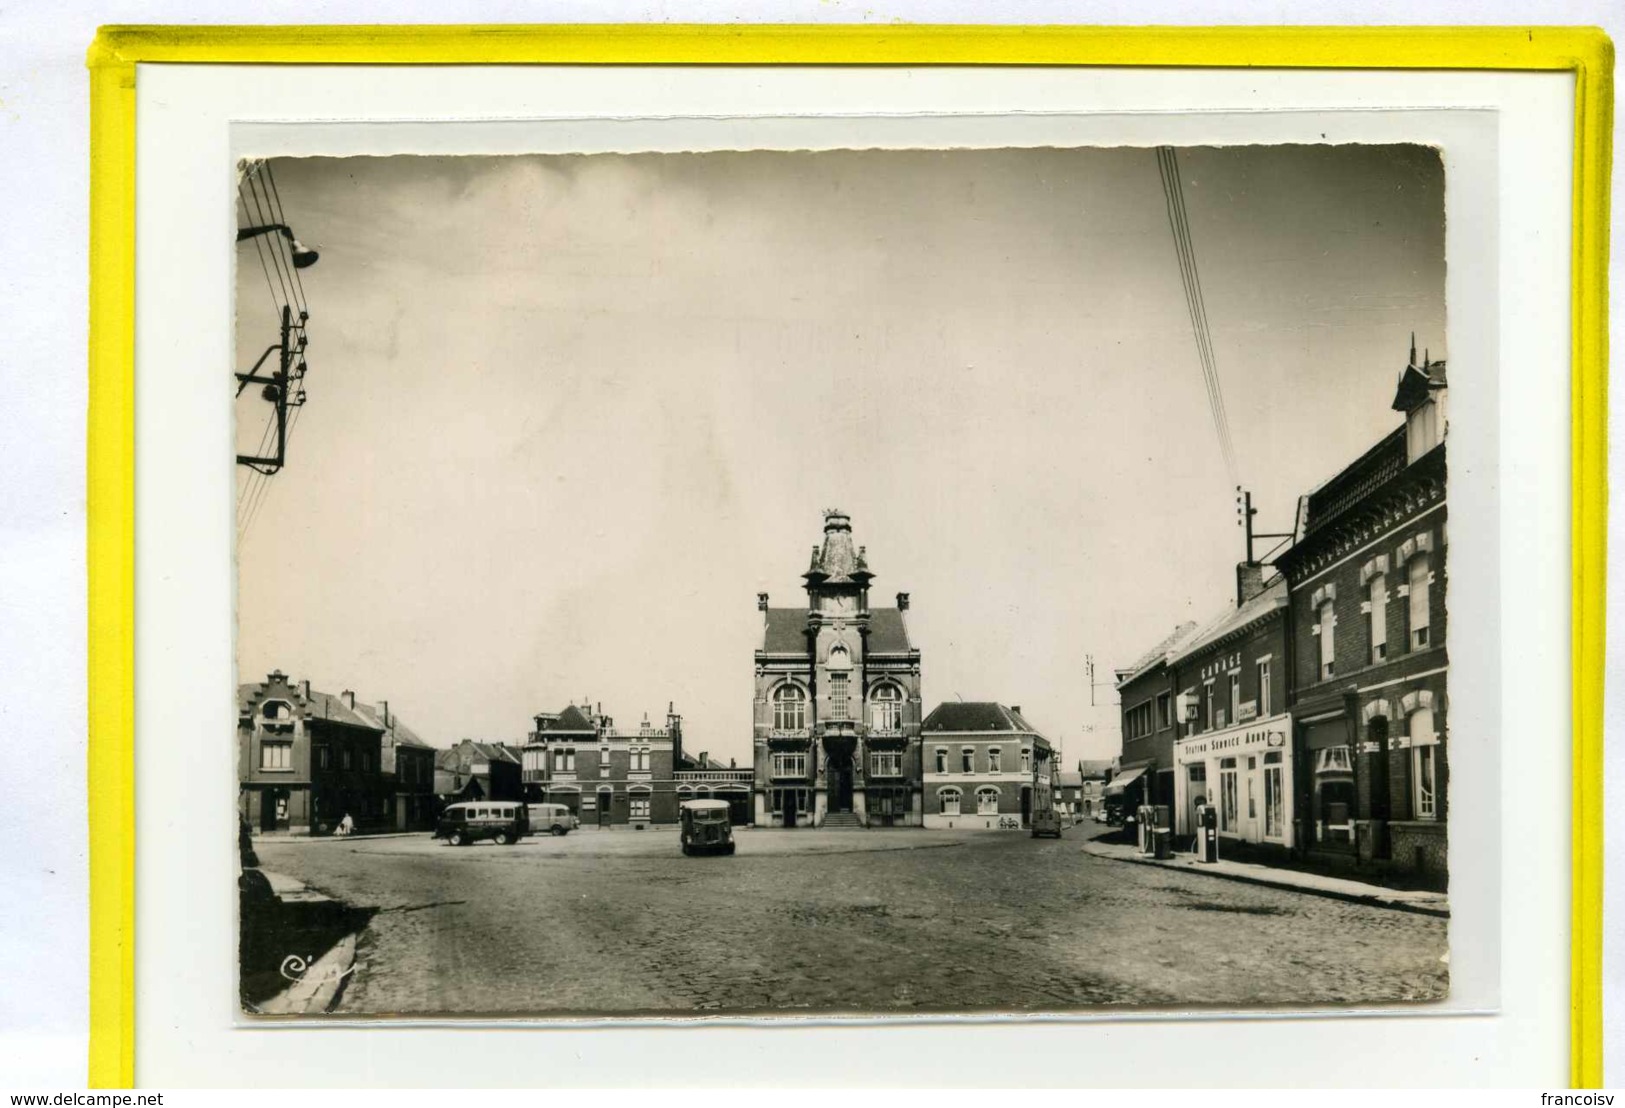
(317,990)
(1374,900)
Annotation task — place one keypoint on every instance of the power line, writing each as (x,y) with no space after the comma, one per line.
(276,305)
(281,217)
(1190,278)
(1201,305)
(259,218)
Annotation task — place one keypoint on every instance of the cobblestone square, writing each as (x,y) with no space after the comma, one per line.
(822,922)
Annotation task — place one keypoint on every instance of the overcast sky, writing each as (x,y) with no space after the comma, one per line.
(568,415)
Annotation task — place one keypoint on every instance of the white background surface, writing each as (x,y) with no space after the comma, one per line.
(42,110)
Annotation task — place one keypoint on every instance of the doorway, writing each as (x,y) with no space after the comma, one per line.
(840,782)
(273,808)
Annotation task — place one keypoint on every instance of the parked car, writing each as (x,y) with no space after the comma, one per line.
(705,827)
(1046,822)
(556,819)
(504,823)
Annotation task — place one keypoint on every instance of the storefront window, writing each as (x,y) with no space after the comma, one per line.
(1227,794)
(1333,796)
(1274,801)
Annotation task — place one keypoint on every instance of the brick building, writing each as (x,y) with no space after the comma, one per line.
(986,768)
(407,763)
(1367,581)
(1235,751)
(1095,776)
(306,759)
(474,770)
(1146,689)
(837,701)
(609,777)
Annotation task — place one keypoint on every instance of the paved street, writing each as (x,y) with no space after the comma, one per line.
(815,921)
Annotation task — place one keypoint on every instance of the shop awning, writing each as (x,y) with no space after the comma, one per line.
(1123,781)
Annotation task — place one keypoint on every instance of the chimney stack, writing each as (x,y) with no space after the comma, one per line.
(348,696)
(902,602)
(761,602)
(304,689)
(1249,581)
(383,710)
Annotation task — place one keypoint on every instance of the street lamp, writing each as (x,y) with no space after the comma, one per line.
(303,256)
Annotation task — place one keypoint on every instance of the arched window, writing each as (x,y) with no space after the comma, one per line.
(839,658)
(1328,648)
(1424,763)
(277,710)
(886,708)
(948,802)
(789,708)
(1419,576)
(987,801)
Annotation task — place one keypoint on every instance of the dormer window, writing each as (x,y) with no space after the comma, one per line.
(1424,428)
(276,715)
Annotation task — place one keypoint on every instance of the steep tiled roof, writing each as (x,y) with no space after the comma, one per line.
(404,735)
(785,631)
(974,715)
(1069,779)
(321,705)
(1233,619)
(470,751)
(571,719)
(1095,768)
(1156,654)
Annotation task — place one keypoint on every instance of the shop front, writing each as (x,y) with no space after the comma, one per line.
(1126,792)
(1329,786)
(1246,773)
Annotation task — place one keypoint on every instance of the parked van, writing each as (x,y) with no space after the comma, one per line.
(556,819)
(504,822)
(1046,821)
(705,827)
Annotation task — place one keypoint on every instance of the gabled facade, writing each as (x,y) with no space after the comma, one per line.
(477,771)
(608,777)
(986,767)
(1367,579)
(837,700)
(306,759)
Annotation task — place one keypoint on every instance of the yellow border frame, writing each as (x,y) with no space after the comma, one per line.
(113,58)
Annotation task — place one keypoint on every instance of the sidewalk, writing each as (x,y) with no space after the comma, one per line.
(1337,888)
(309,921)
(290,837)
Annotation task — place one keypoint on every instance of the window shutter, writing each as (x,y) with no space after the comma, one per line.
(1418,570)
(1378,608)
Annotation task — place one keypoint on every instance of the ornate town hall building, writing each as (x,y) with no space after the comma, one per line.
(837,712)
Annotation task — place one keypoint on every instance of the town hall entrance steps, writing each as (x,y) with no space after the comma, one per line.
(842,821)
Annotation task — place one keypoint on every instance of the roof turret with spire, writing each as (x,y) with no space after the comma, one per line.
(838,562)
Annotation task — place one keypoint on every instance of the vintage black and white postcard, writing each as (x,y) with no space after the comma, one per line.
(855,582)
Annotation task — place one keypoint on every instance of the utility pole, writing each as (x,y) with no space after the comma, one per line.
(1244,518)
(288,376)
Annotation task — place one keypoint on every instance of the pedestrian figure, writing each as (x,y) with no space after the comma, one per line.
(346,825)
